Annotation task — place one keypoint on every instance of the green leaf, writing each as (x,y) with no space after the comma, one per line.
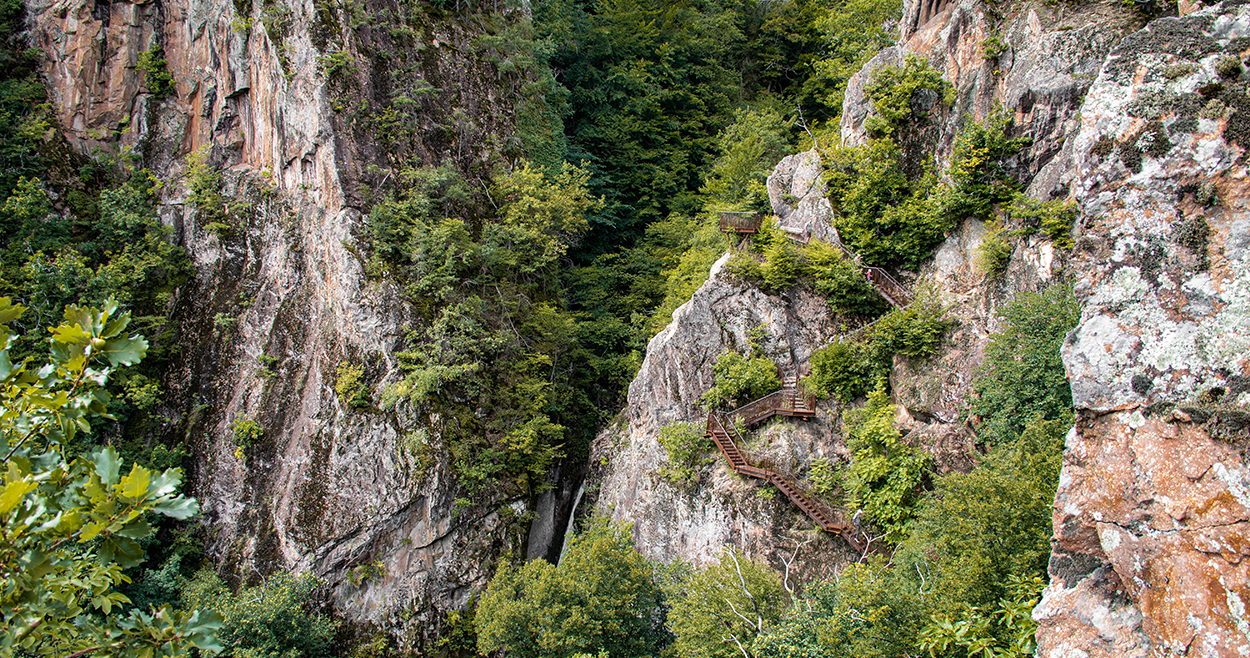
(122,550)
(9,311)
(179,508)
(107,465)
(91,530)
(166,483)
(125,351)
(136,529)
(6,366)
(116,325)
(203,627)
(34,564)
(13,494)
(70,334)
(135,485)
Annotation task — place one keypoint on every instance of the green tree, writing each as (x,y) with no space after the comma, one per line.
(974,531)
(883,215)
(687,448)
(1023,374)
(841,280)
(749,148)
(26,121)
(496,365)
(70,527)
(979,168)
(780,270)
(886,476)
(793,636)
(892,91)
(1008,632)
(704,245)
(601,597)
(868,610)
(650,87)
(274,619)
(916,331)
(843,369)
(539,219)
(721,609)
(854,31)
(156,75)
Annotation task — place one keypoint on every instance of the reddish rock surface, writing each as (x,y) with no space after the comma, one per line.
(1153,509)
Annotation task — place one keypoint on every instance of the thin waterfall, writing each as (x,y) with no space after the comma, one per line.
(568,529)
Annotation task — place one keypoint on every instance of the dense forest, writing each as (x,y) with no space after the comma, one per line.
(535,287)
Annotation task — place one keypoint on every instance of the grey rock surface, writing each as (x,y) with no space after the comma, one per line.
(328,488)
(1151,517)
(725,509)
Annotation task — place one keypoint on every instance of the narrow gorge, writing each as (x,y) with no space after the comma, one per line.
(456,298)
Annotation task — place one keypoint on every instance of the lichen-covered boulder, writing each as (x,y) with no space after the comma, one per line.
(1152,516)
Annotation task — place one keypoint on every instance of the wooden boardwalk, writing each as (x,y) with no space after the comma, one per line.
(792,401)
(723,433)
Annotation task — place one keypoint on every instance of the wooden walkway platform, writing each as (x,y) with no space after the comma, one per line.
(722,433)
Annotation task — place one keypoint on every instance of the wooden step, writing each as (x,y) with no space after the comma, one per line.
(739,464)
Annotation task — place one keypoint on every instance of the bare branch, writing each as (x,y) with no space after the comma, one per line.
(759,625)
(735,611)
(803,123)
(735,641)
(786,581)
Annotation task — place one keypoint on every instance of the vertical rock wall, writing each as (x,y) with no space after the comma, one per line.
(1153,509)
(282,300)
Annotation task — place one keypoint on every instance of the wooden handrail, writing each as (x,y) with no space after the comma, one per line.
(740,222)
(888,287)
(825,517)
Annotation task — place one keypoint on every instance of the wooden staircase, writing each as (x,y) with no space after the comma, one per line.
(824,516)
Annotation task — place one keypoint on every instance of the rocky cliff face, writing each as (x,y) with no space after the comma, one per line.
(1144,128)
(1046,62)
(1041,77)
(273,94)
(724,509)
(1151,517)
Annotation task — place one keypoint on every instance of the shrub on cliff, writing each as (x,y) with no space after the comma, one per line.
(843,369)
(981,168)
(841,280)
(1023,374)
(883,216)
(885,477)
(687,449)
(739,378)
(894,92)
(916,331)
(780,270)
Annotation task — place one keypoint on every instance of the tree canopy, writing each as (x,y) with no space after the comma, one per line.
(602,597)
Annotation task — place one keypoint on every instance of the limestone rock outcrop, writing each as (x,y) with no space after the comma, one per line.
(281,300)
(1048,59)
(1152,516)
